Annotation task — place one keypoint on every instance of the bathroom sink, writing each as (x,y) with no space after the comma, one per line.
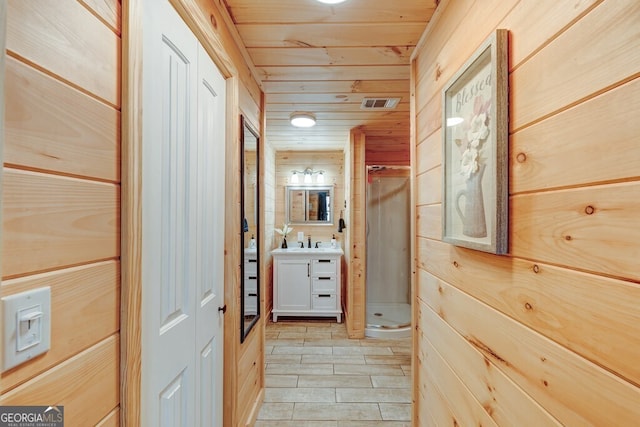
(300,250)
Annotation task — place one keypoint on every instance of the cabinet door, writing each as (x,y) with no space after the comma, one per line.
(294,290)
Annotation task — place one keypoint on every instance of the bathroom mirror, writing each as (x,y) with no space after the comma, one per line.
(309,205)
(250,252)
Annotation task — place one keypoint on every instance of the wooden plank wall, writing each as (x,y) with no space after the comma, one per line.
(332,162)
(61,188)
(547,335)
(390,151)
(354,312)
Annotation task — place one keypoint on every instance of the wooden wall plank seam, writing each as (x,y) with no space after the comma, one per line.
(90,391)
(54,38)
(85,310)
(565,305)
(504,401)
(54,128)
(563,382)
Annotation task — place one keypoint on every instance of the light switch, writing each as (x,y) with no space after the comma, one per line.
(26,326)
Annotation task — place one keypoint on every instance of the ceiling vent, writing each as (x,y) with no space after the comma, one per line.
(379,103)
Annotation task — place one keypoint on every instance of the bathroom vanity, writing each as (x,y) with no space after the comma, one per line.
(306,282)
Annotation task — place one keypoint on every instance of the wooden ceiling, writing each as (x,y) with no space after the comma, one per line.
(324,59)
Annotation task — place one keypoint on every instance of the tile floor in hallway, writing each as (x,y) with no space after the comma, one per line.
(317,377)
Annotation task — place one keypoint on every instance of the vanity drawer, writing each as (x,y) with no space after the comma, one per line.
(324,301)
(250,267)
(323,266)
(250,283)
(323,284)
(250,303)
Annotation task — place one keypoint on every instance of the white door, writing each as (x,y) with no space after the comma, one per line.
(183,226)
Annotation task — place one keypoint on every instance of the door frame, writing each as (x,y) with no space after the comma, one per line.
(131,201)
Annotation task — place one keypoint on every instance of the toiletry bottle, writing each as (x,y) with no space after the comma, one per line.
(309,241)
(333,241)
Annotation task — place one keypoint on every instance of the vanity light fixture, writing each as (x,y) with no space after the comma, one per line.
(302,120)
(307,176)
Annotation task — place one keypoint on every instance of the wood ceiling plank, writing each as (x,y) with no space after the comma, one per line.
(355,72)
(336,108)
(289,11)
(337,86)
(376,55)
(351,115)
(329,98)
(336,35)
(326,59)
(350,122)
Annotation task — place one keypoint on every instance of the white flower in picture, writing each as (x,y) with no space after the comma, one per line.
(475,131)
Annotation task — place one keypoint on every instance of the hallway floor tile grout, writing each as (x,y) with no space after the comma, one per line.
(317,377)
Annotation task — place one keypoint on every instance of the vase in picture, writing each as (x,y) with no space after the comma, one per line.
(473,217)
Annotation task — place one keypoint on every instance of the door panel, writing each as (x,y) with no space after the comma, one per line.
(294,292)
(173,403)
(183,225)
(210,238)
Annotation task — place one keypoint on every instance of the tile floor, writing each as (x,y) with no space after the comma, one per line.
(317,377)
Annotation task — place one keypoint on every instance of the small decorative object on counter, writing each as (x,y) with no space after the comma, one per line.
(283,232)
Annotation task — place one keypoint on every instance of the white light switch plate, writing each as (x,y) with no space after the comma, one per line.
(26,326)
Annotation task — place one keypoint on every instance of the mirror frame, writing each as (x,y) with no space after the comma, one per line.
(245,127)
(297,187)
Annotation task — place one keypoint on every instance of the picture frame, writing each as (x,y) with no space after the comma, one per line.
(475,133)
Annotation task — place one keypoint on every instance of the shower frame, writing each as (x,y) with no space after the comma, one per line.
(390,171)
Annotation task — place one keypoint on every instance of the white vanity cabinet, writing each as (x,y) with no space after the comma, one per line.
(306,282)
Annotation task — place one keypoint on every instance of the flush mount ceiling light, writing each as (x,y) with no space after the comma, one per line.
(302,120)
(331,1)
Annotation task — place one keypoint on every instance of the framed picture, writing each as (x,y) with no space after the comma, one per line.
(475,149)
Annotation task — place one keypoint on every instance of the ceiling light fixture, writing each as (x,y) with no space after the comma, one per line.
(331,1)
(302,120)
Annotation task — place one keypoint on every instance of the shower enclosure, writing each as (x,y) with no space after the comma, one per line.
(388,283)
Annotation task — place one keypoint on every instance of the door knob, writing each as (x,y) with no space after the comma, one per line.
(223,309)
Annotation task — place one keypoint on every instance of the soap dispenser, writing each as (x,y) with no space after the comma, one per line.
(309,241)
(333,241)
(252,242)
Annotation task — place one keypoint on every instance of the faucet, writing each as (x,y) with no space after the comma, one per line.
(317,245)
(302,244)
